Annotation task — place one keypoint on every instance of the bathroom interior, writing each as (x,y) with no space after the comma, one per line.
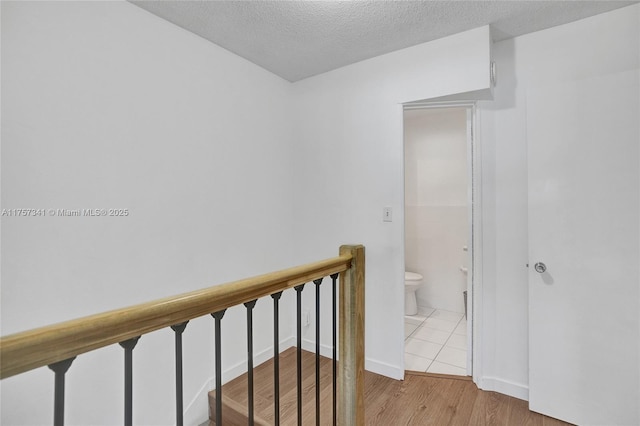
(437,235)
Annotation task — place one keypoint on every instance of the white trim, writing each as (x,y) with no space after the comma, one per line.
(516,390)
(471,189)
(438,105)
(310,345)
(475,298)
(474,286)
(392,371)
(384,369)
(197,417)
(375,366)
(240,367)
(404,234)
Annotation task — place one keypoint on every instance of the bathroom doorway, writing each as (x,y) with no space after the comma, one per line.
(438,159)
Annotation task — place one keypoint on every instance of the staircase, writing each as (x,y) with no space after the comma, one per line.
(235,393)
(317,383)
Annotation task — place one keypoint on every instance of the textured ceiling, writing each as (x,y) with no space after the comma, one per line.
(299,39)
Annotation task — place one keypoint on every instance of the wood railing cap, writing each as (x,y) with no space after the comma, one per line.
(31,349)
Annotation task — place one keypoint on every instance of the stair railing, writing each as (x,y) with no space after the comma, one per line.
(56,346)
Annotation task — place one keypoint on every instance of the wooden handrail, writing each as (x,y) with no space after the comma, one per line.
(31,349)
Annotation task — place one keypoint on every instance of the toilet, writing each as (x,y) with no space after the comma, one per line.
(412,281)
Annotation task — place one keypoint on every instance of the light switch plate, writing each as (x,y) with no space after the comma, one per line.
(387,214)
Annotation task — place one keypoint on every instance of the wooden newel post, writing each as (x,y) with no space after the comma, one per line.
(351,341)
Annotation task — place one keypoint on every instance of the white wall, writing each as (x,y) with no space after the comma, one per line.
(436,210)
(600,45)
(107,106)
(349,158)
(349,165)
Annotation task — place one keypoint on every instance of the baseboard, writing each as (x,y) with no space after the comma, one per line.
(372,365)
(197,411)
(240,368)
(310,345)
(384,369)
(516,390)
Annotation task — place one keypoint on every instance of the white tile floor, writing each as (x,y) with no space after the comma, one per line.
(435,341)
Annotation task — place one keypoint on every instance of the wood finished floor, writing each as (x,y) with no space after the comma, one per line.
(421,399)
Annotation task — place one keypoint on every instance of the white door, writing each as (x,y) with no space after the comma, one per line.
(584,225)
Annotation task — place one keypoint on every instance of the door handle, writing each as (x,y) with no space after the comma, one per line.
(540,267)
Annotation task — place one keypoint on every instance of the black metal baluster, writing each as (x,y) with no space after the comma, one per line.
(317,283)
(218,350)
(60,369)
(178,329)
(276,358)
(249,306)
(334,278)
(128,346)
(299,349)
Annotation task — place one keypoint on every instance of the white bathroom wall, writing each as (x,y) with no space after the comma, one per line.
(436,210)
(107,106)
(596,46)
(349,166)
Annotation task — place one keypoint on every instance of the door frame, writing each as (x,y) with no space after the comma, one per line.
(474,197)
